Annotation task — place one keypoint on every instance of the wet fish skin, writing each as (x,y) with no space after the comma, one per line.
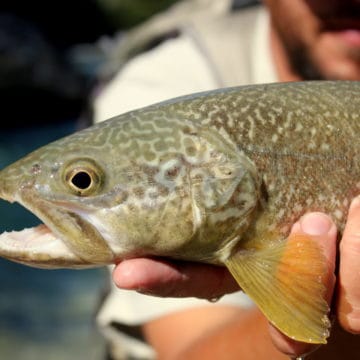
(216,177)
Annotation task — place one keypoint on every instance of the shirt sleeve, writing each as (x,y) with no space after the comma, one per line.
(173,68)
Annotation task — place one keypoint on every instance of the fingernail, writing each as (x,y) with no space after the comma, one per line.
(315,224)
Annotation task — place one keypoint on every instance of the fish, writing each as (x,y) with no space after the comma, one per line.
(215,177)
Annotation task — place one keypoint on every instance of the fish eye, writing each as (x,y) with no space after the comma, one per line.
(83,177)
(81,180)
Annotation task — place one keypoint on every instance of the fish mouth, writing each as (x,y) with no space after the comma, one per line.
(39,247)
(64,240)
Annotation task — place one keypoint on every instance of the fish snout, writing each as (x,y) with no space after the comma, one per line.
(5,194)
(10,183)
(4,186)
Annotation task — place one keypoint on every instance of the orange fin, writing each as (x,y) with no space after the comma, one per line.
(286,282)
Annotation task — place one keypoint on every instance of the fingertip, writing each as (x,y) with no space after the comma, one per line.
(322,229)
(124,275)
(317,224)
(349,318)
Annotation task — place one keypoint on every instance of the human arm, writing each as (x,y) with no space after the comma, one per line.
(208,333)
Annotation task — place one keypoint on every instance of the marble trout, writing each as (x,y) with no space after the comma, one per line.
(216,177)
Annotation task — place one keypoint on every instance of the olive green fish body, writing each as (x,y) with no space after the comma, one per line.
(214,177)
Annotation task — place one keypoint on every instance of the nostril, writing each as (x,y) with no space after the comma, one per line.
(35,169)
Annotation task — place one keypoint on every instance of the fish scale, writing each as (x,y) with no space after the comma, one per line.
(216,177)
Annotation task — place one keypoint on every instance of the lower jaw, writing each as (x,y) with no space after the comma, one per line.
(38,247)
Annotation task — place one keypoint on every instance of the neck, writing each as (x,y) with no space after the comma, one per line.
(284,70)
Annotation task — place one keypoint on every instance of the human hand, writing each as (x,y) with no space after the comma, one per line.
(182,279)
(348,308)
(321,228)
(166,278)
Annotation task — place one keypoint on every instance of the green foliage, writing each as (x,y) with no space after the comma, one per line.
(127,13)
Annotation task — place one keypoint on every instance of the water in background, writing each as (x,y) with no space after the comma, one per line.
(44,314)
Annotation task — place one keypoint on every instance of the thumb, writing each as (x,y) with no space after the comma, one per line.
(323,230)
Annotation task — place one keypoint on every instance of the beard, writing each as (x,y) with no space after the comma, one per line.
(310,66)
(302,64)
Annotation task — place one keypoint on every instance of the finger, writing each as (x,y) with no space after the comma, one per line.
(349,271)
(321,228)
(174,279)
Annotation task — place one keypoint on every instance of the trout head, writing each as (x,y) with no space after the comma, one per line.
(136,185)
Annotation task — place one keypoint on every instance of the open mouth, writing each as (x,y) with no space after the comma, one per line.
(346,28)
(64,240)
(351,36)
(38,247)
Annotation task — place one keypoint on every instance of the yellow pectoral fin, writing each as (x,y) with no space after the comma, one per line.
(286,283)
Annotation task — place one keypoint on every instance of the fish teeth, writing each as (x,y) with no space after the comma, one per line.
(34,246)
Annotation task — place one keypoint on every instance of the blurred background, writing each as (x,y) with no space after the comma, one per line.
(50,54)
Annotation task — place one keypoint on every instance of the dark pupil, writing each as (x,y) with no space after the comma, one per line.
(82,180)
